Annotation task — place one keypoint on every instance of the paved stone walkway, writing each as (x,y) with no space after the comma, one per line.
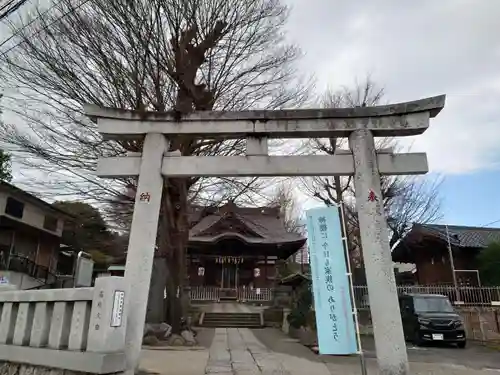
(237,351)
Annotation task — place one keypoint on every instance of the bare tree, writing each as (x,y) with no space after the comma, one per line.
(158,55)
(406,199)
(205,192)
(10,7)
(284,198)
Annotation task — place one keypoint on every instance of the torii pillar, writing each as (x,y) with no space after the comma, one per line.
(360,125)
(382,289)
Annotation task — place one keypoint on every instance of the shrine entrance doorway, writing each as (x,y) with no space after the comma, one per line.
(229,276)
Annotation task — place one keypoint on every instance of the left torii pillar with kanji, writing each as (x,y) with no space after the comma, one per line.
(359,125)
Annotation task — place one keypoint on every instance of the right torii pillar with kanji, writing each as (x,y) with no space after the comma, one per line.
(360,125)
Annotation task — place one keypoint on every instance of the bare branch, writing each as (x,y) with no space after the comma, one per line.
(180,55)
(406,199)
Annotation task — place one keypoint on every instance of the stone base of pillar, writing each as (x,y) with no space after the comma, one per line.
(285,327)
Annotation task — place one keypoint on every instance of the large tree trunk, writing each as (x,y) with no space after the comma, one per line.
(169,269)
(173,312)
(174,230)
(156,309)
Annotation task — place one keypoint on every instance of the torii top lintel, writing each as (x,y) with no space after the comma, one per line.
(401,119)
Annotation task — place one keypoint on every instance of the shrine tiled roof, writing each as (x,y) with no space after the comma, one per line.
(256,225)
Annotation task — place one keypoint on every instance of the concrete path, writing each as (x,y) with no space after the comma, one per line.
(174,362)
(240,351)
(438,361)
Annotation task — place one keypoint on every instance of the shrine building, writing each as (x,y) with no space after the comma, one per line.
(233,251)
(232,247)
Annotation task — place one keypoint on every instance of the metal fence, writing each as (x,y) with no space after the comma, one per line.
(208,293)
(461,296)
(204,293)
(255,294)
(22,264)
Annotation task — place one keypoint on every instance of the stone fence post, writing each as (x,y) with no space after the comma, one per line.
(108,321)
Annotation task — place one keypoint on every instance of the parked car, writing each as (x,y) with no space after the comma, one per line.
(431,318)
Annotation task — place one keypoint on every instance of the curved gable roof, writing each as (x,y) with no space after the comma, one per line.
(262,225)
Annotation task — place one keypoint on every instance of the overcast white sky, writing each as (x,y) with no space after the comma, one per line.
(415,49)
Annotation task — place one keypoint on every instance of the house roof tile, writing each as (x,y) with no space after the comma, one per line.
(462,236)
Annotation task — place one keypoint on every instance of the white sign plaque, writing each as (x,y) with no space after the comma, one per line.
(117,312)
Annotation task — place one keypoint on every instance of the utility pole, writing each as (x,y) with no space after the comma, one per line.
(452,265)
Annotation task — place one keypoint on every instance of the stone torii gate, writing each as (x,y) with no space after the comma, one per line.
(360,125)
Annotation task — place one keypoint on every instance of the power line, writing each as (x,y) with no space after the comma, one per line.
(10,7)
(493,222)
(29,23)
(43,28)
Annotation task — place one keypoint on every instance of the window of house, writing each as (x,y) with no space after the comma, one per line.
(14,208)
(50,223)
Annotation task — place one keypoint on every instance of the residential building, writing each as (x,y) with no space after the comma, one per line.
(30,237)
(428,247)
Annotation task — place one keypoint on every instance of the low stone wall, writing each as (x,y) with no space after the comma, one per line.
(80,329)
(283,296)
(306,336)
(7,368)
(7,288)
(481,323)
(273,317)
(194,314)
(365,322)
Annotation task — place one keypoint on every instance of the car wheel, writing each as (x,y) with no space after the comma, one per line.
(461,344)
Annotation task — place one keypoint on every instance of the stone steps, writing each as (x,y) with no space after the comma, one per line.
(231,320)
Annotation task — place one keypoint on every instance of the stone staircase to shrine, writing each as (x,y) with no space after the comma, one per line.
(232,320)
